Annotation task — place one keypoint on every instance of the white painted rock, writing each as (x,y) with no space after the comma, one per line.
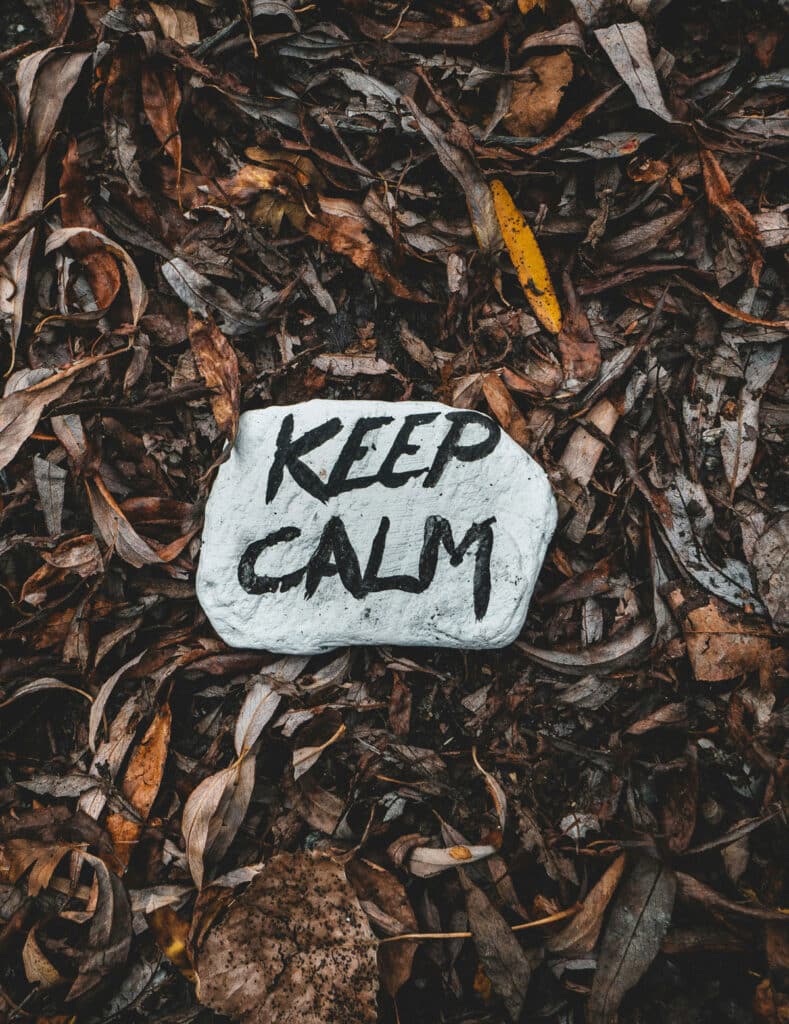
(336,523)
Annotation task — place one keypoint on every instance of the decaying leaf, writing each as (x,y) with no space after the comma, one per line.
(639,918)
(499,951)
(294,948)
(214,812)
(537,92)
(218,364)
(579,936)
(626,46)
(771,564)
(527,259)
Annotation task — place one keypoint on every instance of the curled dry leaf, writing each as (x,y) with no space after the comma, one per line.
(386,904)
(579,936)
(527,259)
(426,861)
(140,786)
(257,710)
(720,195)
(294,948)
(137,291)
(214,812)
(218,364)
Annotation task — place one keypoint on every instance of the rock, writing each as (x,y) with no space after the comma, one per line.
(335,523)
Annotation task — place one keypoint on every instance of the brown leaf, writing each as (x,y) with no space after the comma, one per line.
(176,24)
(385,902)
(161,100)
(499,951)
(638,921)
(115,529)
(218,363)
(623,649)
(579,936)
(214,812)
(101,268)
(719,646)
(720,195)
(503,407)
(294,948)
(537,91)
(141,782)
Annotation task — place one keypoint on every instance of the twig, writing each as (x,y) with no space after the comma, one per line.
(560,916)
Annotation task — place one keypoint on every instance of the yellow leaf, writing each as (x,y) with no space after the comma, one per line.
(524,6)
(527,259)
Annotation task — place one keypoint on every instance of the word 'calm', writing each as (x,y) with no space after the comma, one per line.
(334,554)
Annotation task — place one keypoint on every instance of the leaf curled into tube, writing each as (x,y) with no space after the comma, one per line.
(527,259)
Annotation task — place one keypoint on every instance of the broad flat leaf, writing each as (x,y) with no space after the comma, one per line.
(719,646)
(294,948)
(499,951)
(627,49)
(527,259)
(161,98)
(740,435)
(503,407)
(639,919)
(771,565)
(51,486)
(537,91)
(218,363)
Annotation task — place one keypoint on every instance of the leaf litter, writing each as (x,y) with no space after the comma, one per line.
(570,216)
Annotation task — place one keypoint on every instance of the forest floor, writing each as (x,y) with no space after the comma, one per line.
(572,216)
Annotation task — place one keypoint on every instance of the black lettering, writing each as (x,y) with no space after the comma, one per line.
(438,531)
(451,448)
(372,582)
(401,446)
(249,579)
(288,455)
(353,451)
(334,544)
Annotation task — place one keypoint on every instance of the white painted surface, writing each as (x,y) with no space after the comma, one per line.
(506,484)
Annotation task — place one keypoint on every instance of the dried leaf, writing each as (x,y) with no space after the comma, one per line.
(500,953)
(527,259)
(579,936)
(176,24)
(771,565)
(504,408)
(720,195)
(639,919)
(627,49)
(740,434)
(295,947)
(385,902)
(141,782)
(218,364)
(537,92)
(214,812)
(257,710)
